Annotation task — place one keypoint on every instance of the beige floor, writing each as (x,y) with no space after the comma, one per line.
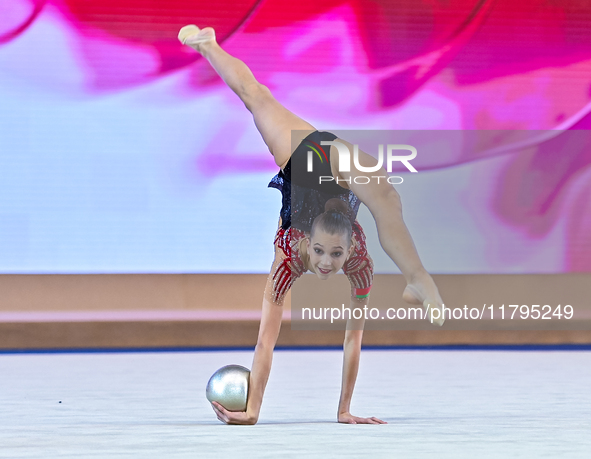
(443,404)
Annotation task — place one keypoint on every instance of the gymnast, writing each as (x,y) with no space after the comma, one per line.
(317,229)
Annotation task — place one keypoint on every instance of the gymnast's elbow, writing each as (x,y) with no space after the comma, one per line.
(265,345)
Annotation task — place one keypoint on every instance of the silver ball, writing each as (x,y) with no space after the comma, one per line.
(229,387)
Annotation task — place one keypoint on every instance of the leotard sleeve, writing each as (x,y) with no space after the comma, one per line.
(288,265)
(359,267)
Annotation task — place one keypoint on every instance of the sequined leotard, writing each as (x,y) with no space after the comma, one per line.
(303,199)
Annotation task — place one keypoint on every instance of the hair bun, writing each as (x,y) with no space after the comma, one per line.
(336,205)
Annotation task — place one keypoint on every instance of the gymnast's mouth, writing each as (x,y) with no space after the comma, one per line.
(324,271)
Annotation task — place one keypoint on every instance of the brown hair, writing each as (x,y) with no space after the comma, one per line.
(334,220)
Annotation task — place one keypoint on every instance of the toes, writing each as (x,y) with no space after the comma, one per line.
(430,307)
(187,31)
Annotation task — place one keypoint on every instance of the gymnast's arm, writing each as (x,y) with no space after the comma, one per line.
(352,351)
(263,355)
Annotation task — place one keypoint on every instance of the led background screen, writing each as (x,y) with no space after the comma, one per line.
(122,151)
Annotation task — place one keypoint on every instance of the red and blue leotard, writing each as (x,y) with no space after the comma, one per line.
(303,199)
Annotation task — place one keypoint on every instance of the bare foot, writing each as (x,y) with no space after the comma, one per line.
(193,36)
(425,293)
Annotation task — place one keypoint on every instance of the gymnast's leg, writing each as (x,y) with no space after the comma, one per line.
(276,123)
(273,120)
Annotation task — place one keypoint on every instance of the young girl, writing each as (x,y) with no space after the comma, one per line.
(318,231)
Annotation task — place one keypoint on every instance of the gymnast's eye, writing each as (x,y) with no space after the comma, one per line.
(337,254)
(318,251)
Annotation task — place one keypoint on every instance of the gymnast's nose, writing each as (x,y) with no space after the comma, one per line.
(325,261)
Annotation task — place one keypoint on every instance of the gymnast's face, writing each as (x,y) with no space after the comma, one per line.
(328,252)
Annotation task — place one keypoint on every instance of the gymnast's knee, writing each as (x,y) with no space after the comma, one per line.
(255,94)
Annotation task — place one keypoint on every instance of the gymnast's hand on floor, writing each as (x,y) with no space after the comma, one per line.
(234,417)
(348,418)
